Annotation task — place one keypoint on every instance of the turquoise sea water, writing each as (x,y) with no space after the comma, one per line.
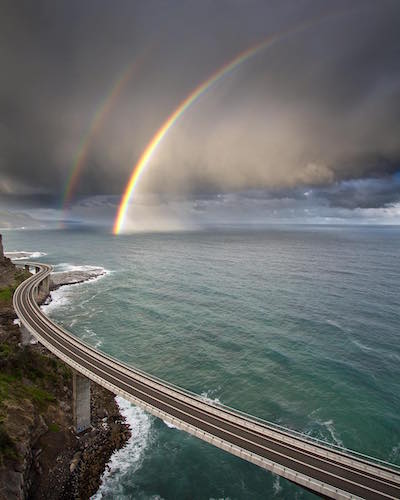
(297,325)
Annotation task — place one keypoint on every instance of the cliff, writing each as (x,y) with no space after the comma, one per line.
(40,455)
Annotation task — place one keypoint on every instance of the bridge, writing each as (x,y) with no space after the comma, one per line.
(328,470)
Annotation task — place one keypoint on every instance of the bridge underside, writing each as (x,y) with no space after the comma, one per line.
(80,383)
(326,471)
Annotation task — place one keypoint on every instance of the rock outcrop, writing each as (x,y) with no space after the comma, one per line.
(1,249)
(40,454)
(74,277)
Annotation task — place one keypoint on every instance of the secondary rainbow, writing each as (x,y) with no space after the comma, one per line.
(187,102)
(96,123)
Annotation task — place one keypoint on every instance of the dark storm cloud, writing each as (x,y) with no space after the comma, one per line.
(366,193)
(29,200)
(318,110)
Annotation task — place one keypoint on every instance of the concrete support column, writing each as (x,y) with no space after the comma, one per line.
(81,402)
(27,267)
(44,286)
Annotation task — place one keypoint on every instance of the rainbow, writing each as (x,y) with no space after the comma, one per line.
(96,123)
(187,102)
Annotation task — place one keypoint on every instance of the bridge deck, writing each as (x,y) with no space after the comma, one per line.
(329,472)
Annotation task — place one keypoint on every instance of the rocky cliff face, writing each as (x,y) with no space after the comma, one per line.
(1,248)
(40,455)
(7,269)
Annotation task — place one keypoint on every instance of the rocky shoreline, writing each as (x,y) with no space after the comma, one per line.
(40,454)
(73,466)
(74,277)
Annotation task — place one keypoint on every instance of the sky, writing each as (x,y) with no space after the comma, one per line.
(306,130)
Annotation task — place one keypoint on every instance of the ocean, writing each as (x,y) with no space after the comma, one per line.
(298,325)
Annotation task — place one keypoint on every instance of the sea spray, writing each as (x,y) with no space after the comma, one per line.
(23,255)
(128,459)
(213,309)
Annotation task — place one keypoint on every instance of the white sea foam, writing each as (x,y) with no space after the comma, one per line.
(208,397)
(394,455)
(393,355)
(276,485)
(59,298)
(69,274)
(361,346)
(91,334)
(62,296)
(22,255)
(323,429)
(329,426)
(129,458)
(326,432)
(168,424)
(336,324)
(67,267)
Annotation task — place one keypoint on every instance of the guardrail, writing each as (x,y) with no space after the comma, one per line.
(284,432)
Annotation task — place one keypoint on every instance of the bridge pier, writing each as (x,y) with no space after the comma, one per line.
(81,402)
(27,267)
(43,289)
(45,286)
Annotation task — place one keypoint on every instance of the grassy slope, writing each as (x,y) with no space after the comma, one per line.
(28,378)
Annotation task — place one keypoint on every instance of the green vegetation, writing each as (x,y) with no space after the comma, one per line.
(20,276)
(6,386)
(13,388)
(39,395)
(27,376)
(6,294)
(5,350)
(7,445)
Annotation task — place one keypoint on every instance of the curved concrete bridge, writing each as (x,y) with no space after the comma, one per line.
(326,470)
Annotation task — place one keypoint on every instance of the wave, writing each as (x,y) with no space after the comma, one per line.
(68,274)
(130,458)
(336,324)
(171,426)
(323,429)
(394,455)
(276,485)
(23,255)
(208,397)
(77,274)
(361,346)
(58,298)
(328,424)
(90,334)
(64,294)
(67,267)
